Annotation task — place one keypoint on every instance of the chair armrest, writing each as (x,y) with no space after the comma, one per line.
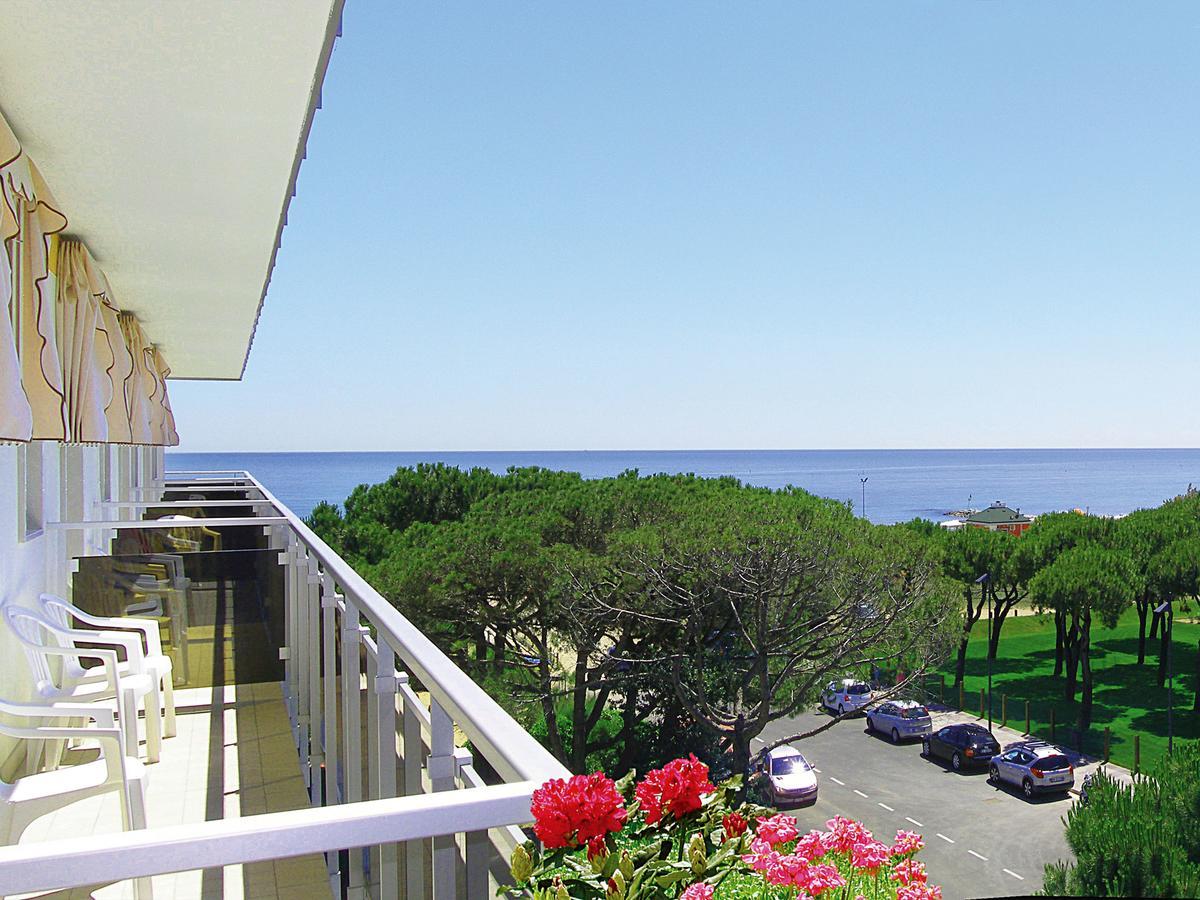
(130,643)
(149,630)
(108,657)
(101,715)
(111,741)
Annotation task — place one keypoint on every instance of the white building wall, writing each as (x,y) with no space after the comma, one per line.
(32,561)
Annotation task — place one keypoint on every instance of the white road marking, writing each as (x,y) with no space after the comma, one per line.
(861,794)
(1015,875)
(977,856)
(888,808)
(835,781)
(815,769)
(914,821)
(944,838)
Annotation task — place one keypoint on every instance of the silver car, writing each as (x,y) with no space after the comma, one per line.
(899,720)
(1035,767)
(846,695)
(789,778)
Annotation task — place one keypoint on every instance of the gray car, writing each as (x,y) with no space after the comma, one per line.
(1036,767)
(899,720)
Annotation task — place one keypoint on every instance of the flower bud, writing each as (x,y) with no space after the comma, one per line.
(625,866)
(597,854)
(616,886)
(521,865)
(697,855)
(560,892)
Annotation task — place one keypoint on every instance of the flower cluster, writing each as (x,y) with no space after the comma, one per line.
(579,811)
(579,822)
(812,863)
(675,788)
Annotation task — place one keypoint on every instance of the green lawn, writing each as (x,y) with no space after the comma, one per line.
(1127,700)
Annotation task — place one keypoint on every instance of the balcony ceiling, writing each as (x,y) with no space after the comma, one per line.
(171,134)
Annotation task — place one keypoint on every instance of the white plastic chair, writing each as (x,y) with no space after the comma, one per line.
(160,596)
(155,663)
(30,797)
(42,640)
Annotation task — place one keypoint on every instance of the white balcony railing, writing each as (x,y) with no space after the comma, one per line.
(410,805)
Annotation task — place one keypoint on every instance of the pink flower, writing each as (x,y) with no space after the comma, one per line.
(697,891)
(761,856)
(907,843)
(869,855)
(811,846)
(909,871)
(845,833)
(823,878)
(779,829)
(788,870)
(919,892)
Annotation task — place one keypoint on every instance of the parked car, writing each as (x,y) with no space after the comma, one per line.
(788,778)
(965,745)
(846,695)
(899,719)
(1036,767)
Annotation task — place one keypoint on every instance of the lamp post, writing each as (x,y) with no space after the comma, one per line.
(1164,610)
(982,581)
(863,479)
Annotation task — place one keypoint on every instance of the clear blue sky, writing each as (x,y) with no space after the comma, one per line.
(703,225)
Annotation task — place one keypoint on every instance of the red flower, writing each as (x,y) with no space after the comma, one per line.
(574,812)
(677,788)
(733,825)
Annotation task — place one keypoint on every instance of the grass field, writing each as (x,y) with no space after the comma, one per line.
(1127,699)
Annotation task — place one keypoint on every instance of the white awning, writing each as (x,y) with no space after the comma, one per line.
(172,132)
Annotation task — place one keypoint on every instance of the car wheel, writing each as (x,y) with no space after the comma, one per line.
(1027,787)
(870,726)
(925,748)
(895,736)
(956,761)
(994,775)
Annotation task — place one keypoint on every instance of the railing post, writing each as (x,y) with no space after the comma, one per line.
(387,683)
(442,778)
(476,844)
(352,732)
(302,658)
(288,652)
(329,654)
(415,852)
(312,627)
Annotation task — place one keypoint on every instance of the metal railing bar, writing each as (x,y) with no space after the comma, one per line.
(54,865)
(124,525)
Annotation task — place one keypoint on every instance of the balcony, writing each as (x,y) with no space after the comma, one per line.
(326,747)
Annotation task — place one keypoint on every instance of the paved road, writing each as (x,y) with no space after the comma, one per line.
(981,841)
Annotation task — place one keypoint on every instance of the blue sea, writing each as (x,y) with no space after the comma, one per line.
(900,484)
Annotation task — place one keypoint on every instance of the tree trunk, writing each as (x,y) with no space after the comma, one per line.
(629,722)
(481,644)
(961,668)
(499,642)
(1060,628)
(1071,658)
(1085,706)
(1154,623)
(548,709)
(1164,632)
(741,754)
(1143,607)
(579,714)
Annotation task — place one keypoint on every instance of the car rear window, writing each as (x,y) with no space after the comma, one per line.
(858,689)
(1053,763)
(919,713)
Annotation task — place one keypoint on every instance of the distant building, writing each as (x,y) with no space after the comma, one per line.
(999,517)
